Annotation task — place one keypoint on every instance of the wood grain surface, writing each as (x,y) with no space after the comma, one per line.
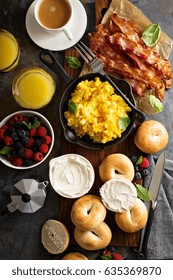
(119,238)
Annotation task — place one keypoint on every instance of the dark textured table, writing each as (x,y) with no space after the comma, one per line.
(20,233)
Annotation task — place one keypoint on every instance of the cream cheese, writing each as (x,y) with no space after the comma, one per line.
(71,175)
(118,195)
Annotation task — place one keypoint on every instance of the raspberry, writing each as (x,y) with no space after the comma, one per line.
(117,256)
(2,133)
(33,132)
(11,122)
(144,163)
(30,142)
(18,118)
(28,153)
(38,156)
(46,139)
(43,148)
(5,127)
(17,161)
(8,141)
(41,131)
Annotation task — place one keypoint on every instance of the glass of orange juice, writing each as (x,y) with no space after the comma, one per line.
(33,88)
(9,51)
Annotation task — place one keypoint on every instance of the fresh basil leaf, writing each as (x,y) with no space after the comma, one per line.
(156,103)
(143,193)
(139,160)
(72,107)
(106,257)
(73,62)
(124,122)
(36,124)
(29,125)
(151,35)
(5,151)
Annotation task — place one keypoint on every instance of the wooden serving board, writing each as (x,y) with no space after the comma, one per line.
(119,238)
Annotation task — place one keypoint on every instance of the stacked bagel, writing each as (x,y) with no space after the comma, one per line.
(119,194)
(88,214)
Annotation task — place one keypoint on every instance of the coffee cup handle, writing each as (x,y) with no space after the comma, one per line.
(68,33)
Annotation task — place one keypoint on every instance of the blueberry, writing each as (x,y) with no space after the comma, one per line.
(145,172)
(18,125)
(28,162)
(25,140)
(22,133)
(11,130)
(38,141)
(134,159)
(33,119)
(18,145)
(20,153)
(14,136)
(138,175)
(137,168)
(112,249)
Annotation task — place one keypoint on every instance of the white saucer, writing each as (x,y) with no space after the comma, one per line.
(59,41)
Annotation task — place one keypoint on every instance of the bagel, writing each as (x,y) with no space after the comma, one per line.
(74,256)
(133,220)
(118,195)
(95,239)
(151,137)
(116,166)
(55,236)
(88,212)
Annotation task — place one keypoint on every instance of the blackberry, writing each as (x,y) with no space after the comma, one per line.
(38,141)
(10,130)
(33,119)
(25,140)
(28,162)
(18,125)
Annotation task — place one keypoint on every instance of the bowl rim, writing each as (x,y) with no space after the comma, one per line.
(49,126)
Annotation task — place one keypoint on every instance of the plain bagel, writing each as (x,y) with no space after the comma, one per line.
(74,256)
(116,166)
(95,239)
(88,212)
(151,137)
(55,236)
(134,219)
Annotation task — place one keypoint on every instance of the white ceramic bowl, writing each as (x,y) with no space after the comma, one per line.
(46,123)
(71,175)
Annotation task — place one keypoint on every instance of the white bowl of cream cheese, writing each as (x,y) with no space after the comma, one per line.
(71,175)
(118,195)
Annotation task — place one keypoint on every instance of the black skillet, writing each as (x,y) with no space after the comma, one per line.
(49,60)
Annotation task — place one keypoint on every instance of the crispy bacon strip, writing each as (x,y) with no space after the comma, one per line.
(121,49)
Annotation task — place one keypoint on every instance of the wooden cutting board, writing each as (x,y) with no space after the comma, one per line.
(119,238)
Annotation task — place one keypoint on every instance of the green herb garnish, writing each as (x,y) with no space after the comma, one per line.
(72,107)
(124,122)
(151,35)
(143,193)
(30,125)
(156,103)
(139,160)
(73,62)
(5,151)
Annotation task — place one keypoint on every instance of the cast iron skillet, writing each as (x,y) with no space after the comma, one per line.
(49,60)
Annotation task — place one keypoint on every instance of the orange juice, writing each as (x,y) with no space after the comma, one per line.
(33,88)
(9,51)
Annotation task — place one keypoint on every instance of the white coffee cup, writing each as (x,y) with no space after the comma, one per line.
(54,16)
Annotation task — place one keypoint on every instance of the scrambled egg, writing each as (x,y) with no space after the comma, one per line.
(97,111)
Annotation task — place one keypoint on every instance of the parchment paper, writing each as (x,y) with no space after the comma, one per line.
(127,10)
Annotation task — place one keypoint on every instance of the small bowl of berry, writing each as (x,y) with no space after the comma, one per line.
(26,139)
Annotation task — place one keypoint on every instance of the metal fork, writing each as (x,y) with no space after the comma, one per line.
(97,67)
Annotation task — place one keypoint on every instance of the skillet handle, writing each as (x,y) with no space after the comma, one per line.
(49,60)
(140,115)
